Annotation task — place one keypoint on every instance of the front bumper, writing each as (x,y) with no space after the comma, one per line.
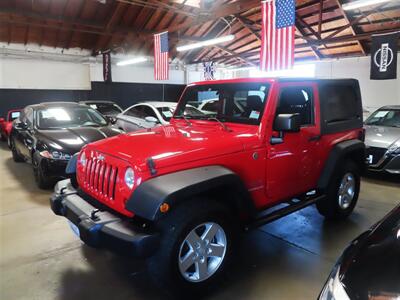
(102,229)
(388,163)
(53,168)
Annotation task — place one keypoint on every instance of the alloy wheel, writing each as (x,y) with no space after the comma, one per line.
(202,252)
(346,192)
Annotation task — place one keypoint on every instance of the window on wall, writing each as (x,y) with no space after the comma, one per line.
(297,100)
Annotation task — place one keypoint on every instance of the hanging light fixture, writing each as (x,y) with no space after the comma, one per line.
(201,44)
(361,3)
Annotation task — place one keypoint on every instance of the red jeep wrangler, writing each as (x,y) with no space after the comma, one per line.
(178,194)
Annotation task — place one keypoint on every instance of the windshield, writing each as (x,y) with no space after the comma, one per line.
(63,117)
(13,115)
(108,109)
(385,117)
(167,112)
(231,102)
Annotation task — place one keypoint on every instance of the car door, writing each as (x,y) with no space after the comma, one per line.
(132,119)
(23,138)
(292,165)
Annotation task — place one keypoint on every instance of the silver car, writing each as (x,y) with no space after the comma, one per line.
(149,114)
(382,138)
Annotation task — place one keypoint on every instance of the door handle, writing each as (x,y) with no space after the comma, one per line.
(314,138)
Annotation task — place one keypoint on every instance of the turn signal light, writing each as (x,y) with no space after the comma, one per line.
(164,207)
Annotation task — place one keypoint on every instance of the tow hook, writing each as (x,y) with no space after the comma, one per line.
(93,214)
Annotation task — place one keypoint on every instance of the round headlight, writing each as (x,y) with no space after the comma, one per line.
(129,178)
(82,159)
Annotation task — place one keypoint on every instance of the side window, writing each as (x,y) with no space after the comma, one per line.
(297,99)
(149,112)
(136,111)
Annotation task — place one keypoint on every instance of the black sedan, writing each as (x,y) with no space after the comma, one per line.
(48,134)
(370,267)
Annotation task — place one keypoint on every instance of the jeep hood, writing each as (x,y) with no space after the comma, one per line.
(381,136)
(172,145)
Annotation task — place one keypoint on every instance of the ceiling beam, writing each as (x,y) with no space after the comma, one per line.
(223,11)
(351,26)
(314,48)
(246,25)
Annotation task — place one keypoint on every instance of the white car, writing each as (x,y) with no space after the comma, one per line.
(210,106)
(148,115)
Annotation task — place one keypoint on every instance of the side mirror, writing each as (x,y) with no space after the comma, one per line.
(151,119)
(112,120)
(285,123)
(21,125)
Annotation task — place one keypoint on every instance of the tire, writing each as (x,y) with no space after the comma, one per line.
(165,267)
(41,180)
(16,156)
(342,192)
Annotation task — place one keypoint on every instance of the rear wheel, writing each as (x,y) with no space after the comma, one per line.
(41,179)
(195,249)
(16,156)
(342,192)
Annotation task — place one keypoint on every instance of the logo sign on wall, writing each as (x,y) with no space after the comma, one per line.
(384,56)
(107,66)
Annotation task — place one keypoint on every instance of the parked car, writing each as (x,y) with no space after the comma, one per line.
(178,194)
(6,124)
(369,268)
(382,139)
(210,106)
(148,115)
(107,108)
(48,134)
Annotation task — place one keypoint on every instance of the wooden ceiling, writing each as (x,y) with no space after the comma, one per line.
(323,28)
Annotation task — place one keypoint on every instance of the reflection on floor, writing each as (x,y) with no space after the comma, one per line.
(40,258)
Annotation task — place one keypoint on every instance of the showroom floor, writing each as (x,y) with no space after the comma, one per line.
(40,258)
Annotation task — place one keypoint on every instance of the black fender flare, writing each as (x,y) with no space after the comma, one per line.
(354,149)
(173,188)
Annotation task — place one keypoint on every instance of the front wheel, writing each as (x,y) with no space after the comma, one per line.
(342,192)
(42,181)
(196,247)
(16,156)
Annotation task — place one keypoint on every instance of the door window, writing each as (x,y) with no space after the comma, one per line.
(149,112)
(297,99)
(136,112)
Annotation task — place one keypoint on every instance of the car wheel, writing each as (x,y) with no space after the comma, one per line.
(42,181)
(342,192)
(196,247)
(16,156)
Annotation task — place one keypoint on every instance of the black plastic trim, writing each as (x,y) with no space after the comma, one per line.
(174,187)
(102,229)
(340,151)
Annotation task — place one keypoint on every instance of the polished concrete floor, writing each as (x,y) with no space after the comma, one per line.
(40,258)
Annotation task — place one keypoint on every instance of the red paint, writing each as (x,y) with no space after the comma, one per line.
(6,124)
(273,177)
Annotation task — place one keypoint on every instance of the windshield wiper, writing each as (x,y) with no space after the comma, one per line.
(185,118)
(226,128)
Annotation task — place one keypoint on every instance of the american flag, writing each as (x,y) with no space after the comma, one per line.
(209,70)
(161,67)
(277,38)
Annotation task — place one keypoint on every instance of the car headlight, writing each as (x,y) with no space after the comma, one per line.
(82,159)
(333,289)
(57,155)
(129,178)
(394,148)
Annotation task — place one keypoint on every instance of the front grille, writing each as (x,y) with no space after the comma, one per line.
(377,154)
(101,177)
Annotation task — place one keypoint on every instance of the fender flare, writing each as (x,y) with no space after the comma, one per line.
(173,188)
(353,148)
